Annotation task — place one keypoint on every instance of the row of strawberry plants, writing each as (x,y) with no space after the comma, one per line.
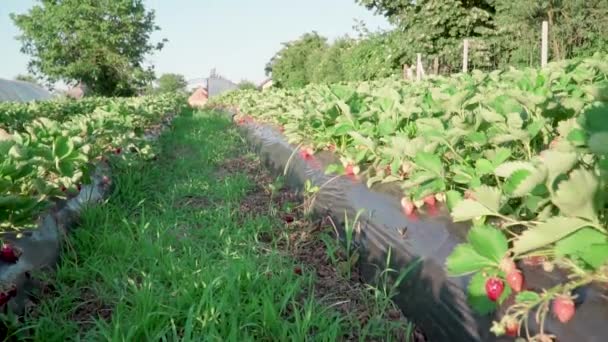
(16,115)
(44,158)
(521,153)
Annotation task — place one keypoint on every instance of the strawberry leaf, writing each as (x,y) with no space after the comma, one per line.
(464,260)
(548,232)
(527,297)
(469,209)
(576,196)
(489,242)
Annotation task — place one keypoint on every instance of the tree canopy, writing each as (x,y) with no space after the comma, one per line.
(168,83)
(99,43)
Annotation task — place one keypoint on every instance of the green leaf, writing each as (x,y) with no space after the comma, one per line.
(506,169)
(429,162)
(576,195)
(521,182)
(598,143)
(557,163)
(489,197)
(488,242)
(62,147)
(468,209)
(453,197)
(527,297)
(546,233)
(464,260)
(596,255)
(483,166)
(579,241)
(477,295)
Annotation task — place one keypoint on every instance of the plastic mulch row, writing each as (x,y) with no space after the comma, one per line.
(427,296)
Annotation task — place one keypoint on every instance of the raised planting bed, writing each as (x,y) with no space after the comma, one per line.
(435,301)
(27,251)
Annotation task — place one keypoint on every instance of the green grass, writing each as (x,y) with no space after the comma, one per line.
(171,271)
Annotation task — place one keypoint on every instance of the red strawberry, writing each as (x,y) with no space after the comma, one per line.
(4,298)
(512,328)
(563,308)
(306,153)
(297,270)
(494,288)
(118,150)
(515,280)
(408,206)
(8,254)
(349,170)
(430,200)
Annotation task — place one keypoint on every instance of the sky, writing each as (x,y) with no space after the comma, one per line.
(237,37)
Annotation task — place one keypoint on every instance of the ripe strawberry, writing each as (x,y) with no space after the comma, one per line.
(8,254)
(306,153)
(512,328)
(507,265)
(430,200)
(494,288)
(349,170)
(297,270)
(4,298)
(408,206)
(563,308)
(118,150)
(515,280)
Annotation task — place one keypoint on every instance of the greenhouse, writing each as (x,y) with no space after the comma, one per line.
(18,91)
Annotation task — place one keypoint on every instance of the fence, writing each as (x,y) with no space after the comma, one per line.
(420,73)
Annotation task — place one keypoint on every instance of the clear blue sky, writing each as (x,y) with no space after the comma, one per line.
(237,37)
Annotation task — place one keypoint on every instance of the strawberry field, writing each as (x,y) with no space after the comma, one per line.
(49,149)
(519,153)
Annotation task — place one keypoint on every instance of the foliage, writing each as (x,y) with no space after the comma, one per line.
(171,83)
(27,78)
(247,85)
(521,153)
(291,66)
(49,156)
(502,32)
(99,43)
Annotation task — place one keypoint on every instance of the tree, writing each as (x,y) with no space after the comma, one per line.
(291,65)
(168,83)
(247,85)
(99,43)
(27,78)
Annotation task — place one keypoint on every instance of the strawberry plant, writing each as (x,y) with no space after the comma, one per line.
(520,153)
(45,155)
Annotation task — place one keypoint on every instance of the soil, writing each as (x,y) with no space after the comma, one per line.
(349,296)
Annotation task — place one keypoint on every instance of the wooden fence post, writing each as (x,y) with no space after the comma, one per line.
(465,56)
(419,69)
(436,66)
(544,48)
